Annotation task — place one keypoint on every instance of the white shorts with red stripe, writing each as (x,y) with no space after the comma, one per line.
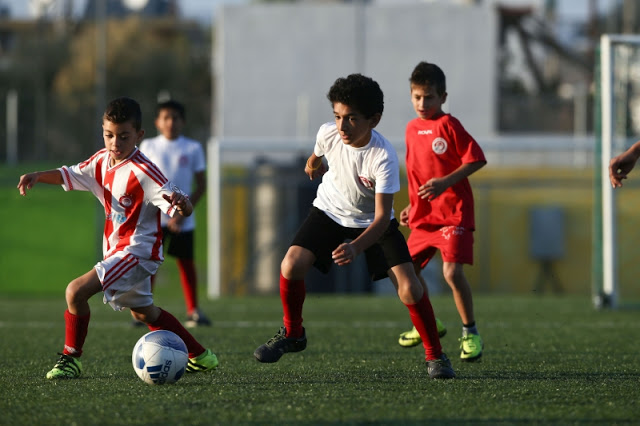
(126,280)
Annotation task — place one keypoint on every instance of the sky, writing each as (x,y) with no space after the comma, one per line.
(203,10)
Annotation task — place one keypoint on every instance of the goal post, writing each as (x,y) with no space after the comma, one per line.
(618,66)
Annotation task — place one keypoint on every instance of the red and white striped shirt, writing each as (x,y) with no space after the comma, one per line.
(131,193)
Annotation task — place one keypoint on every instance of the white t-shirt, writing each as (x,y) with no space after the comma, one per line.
(179,160)
(347,192)
(131,193)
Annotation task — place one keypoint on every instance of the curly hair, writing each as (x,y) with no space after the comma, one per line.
(359,92)
(124,109)
(427,74)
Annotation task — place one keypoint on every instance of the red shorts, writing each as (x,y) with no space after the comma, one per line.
(454,242)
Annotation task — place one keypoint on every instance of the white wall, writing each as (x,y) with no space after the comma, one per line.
(270,59)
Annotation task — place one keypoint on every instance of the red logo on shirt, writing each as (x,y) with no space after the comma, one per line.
(366,182)
(439,146)
(126,201)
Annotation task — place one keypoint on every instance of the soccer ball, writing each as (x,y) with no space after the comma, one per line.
(160,357)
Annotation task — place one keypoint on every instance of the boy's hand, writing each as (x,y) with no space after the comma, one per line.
(315,173)
(26,182)
(619,168)
(181,202)
(344,254)
(432,188)
(404,216)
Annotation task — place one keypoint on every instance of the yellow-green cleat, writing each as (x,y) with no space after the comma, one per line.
(412,338)
(471,346)
(203,362)
(67,367)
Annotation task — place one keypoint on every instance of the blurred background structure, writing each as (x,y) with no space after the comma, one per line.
(520,73)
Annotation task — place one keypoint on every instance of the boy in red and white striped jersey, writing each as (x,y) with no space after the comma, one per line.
(133,192)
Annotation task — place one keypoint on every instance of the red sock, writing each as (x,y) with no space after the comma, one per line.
(188,279)
(76,328)
(425,322)
(292,294)
(166,321)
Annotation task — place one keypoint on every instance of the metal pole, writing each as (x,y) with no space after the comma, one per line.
(608,205)
(101,84)
(214,288)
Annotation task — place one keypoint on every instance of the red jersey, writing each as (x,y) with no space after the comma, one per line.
(131,193)
(435,148)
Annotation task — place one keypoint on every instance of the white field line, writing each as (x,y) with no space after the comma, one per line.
(401,325)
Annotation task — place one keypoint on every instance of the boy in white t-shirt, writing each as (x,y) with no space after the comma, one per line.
(182,161)
(133,192)
(354,202)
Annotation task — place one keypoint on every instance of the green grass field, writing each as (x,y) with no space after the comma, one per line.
(51,236)
(547,361)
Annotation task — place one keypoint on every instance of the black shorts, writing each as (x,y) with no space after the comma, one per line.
(180,244)
(321,235)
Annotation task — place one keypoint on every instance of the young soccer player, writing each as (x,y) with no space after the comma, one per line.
(354,202)
(182,161)
(133,191)
(440,156)
(621,165)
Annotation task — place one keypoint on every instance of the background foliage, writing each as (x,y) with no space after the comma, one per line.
(54,75)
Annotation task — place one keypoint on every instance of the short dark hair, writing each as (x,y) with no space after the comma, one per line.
(124,109)
(427,74)
(359,92)
(172,105)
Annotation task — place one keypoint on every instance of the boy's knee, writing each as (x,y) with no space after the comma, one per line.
(292,267)
(147,315)
(409,290)
(453,274)
(72,293)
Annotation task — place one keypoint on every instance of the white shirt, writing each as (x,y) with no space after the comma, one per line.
(347,192)
(179,160)
(131,193)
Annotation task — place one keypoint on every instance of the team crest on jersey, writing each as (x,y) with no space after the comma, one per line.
(439,146)
(126,201)
(366,182)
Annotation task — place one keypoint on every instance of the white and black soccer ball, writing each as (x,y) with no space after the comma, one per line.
(160,357)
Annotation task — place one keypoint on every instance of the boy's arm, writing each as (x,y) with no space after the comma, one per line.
(175,223)
(315,167)
(347,252)
(620,166)
(200,189)
(52,177)
(436,186)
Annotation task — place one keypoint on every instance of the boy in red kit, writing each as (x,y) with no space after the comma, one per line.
(354,202)
(133,192)
(440,157)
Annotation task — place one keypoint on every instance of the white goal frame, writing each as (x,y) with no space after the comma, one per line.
(608,295)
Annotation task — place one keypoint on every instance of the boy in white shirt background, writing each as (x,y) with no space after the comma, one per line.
(182,160)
